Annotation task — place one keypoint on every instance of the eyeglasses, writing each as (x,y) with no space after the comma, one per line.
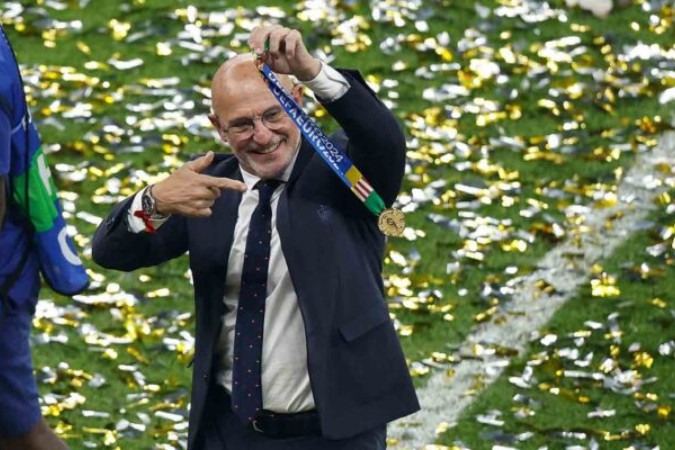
(272,119)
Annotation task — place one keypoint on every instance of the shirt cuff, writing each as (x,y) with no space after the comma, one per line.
(329,84)
(136,224)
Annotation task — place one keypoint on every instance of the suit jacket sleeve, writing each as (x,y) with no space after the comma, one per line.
(376,143)
(5,136)
(116,247)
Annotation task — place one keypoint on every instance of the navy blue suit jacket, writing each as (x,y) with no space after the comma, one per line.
(334,253)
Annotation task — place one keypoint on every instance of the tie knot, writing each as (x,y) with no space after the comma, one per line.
(266,188)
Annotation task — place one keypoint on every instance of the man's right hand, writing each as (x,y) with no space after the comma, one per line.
(287,53)
(190,193)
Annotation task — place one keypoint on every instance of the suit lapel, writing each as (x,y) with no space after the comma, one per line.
(304,155)
(283,220)
(224,211)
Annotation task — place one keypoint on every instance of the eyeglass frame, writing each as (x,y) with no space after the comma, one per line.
(249,122)
(296,92)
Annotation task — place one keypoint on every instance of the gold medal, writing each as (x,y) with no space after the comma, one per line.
(391,222)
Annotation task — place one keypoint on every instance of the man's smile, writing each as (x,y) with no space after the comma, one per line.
(269,149)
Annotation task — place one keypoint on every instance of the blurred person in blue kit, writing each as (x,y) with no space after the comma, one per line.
(294,346)
(33,240)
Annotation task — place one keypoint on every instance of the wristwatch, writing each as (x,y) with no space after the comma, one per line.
(149,206)
(148,202)
(148,211)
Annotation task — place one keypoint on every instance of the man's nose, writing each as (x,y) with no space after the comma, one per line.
(261,134)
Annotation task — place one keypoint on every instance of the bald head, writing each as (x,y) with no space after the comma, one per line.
(233,72)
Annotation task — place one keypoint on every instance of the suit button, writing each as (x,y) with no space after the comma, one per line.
(205,376)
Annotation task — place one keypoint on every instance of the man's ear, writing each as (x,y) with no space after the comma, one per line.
(216,123)
(298,93)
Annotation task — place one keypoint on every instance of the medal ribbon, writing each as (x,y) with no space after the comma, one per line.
(332,154)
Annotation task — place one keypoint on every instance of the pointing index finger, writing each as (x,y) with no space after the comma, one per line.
(222,183)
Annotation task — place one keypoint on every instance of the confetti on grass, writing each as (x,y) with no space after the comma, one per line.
(522,119)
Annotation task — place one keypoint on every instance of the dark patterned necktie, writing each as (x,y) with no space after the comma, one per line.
(248,340)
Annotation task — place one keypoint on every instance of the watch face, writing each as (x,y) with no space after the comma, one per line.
(148,204)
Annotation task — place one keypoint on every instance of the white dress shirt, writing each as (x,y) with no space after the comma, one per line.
(285,379)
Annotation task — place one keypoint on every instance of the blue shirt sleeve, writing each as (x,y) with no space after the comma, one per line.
(5,143)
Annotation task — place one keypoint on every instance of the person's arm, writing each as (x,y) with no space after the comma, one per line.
(377,145)
(123,242)
(5,142)
(329,85)
(3,203)
(116,246)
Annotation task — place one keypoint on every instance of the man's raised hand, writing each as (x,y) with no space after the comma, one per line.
(188,192)
(286,52)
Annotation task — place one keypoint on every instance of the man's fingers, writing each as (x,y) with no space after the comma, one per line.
(215,184)
(197,212)
(215,191)
(200,164)
(277,41)
(293,44)
(260,37)
(223,183)
(194,209)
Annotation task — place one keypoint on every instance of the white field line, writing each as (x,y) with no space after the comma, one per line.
(444,397)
